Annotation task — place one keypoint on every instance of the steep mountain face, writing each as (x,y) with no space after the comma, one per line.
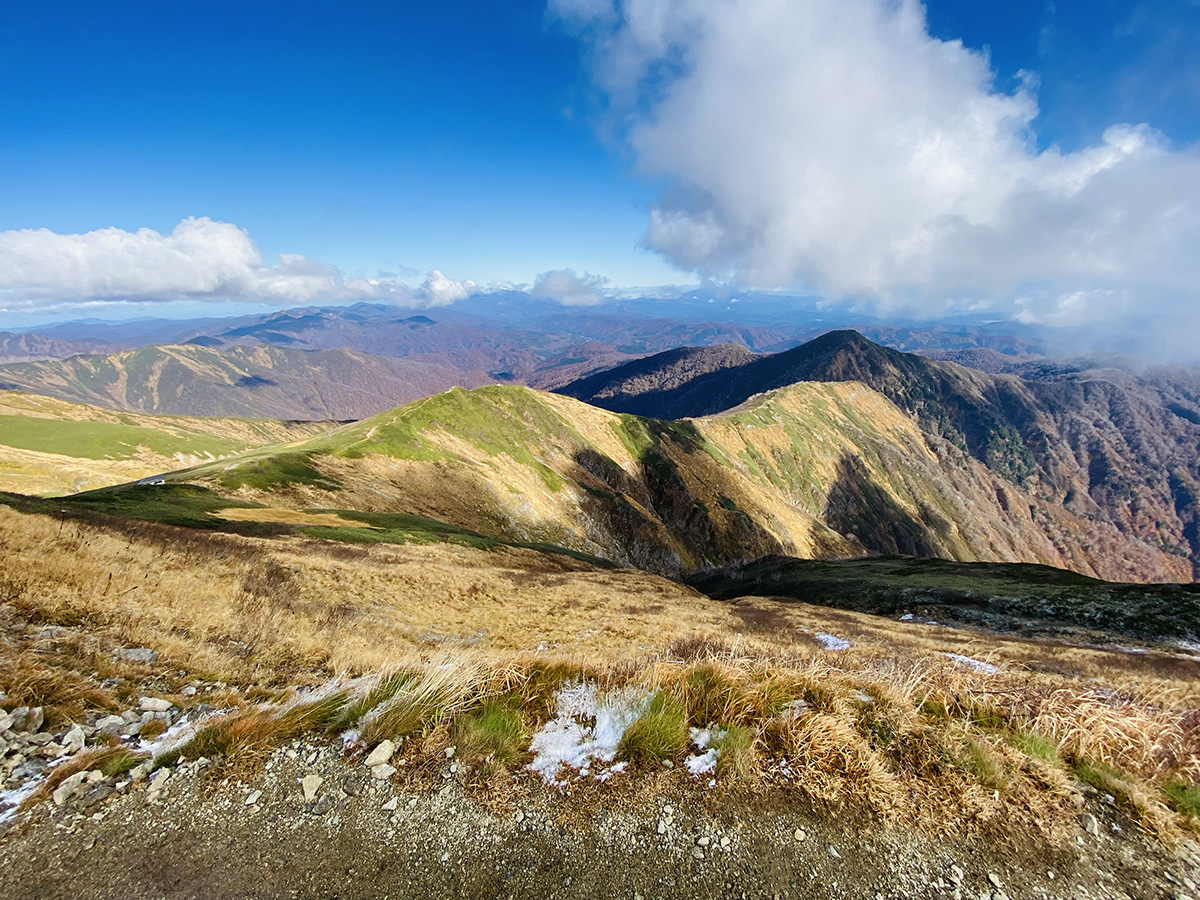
(813,470)
(24,347)
(1107,445)
(257,381)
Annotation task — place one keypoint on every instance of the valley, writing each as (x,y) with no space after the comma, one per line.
(829,597)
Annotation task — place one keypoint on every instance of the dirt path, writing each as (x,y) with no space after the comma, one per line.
(184,839)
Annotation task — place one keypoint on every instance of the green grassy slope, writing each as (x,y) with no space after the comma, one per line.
(812,470)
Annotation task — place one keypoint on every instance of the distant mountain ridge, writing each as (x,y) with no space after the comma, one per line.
(255,381)
(26,347)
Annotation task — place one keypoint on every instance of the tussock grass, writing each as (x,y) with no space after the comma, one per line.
(660,732)
(494,732)
(63,693)
(442,690)
(737,749)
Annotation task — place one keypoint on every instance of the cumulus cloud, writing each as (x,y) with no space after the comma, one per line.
(836,146)
(570,289)
(199,260)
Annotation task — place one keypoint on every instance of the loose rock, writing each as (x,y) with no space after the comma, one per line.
(381,754)
(310,784)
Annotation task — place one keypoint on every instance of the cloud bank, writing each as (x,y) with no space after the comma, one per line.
(570,289)
(836,146)
(199,260)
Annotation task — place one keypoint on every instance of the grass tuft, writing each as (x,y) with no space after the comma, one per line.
(495,731)
(659,732)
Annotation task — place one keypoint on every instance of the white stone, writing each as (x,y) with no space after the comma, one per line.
(310,784)
(833,852)
(383,772)
(74,740)
(381,754)
(390,806)
(799,834)
(253,797)
(68,788)
(450,752)
(154,704)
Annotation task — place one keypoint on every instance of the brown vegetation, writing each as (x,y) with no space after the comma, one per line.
(477,643)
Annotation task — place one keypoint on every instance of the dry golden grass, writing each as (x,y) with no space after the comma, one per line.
(286,517)
(891,724)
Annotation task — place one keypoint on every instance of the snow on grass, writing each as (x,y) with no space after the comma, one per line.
(831,641)
(978,665)
(585,732)
(177,735)
(705,762)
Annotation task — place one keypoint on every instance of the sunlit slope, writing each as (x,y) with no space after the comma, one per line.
(49,446)
(812,470)
(256,381)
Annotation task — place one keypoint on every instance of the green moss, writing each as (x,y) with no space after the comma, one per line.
(495,730)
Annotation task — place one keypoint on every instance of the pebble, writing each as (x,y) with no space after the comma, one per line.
(310,784)
(833,852)
(252,798)
(390,806)
(383,772)
(995,880)
(381,754)
(154,704)
(799,834)
(662,827)
(1090,824)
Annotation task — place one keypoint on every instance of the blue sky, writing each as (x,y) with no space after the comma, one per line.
(500,140)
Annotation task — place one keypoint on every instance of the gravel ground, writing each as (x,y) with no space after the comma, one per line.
(312,825)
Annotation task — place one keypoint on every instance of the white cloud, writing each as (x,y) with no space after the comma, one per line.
(199,260)
(835,146)
(570,289)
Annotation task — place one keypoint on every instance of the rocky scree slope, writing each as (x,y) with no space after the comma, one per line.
(1110,447)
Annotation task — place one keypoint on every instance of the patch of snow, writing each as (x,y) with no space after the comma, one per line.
(907,617)
(968,662)
(178,734)
(10,801)
(586,730)
(831,641)
(704,763)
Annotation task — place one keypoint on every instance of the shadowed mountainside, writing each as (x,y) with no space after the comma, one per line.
(1108,445)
